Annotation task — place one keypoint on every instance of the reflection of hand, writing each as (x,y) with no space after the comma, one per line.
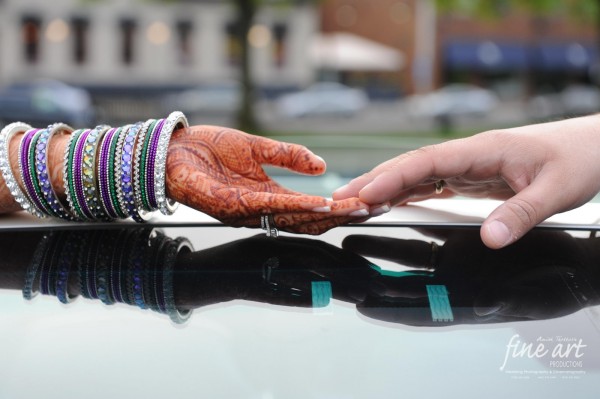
(539,170)
(218,170)
(541,276)
(263,269)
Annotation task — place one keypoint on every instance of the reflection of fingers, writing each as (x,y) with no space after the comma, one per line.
(296,222)
(286,155)
(321,226)
(414,253)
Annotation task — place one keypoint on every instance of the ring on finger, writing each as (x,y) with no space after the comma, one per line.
(439,186)
(267,223)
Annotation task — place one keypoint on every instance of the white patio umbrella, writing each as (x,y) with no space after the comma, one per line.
(349,52)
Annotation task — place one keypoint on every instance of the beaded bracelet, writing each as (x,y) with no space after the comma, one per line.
(124,164)
(69,175)
(20,197)
(105,169)
(39,152)
(25,168)
(89,149)
(139,172)
(156,170)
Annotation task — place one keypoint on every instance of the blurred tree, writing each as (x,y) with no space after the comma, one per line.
(245,13)
(588,10)
(246,10)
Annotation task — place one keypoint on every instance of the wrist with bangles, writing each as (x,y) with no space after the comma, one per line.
(108,173)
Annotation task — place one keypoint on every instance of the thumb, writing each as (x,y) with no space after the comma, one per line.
(516,216)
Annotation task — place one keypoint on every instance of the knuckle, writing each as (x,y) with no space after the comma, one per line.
(525,211)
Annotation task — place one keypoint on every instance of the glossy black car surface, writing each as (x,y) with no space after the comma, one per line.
(359,312)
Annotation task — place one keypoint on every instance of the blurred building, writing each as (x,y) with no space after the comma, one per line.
(141,43)
(516,51)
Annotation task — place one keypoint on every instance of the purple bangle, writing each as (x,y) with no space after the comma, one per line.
(77,166)
(103,165)
(150,164)
(25,173)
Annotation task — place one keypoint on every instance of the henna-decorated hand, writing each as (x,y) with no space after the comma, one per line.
(218,171)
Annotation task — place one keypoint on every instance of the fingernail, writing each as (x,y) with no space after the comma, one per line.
(380,210)
(322,209)
(322,160)
(499,233)
(360,212)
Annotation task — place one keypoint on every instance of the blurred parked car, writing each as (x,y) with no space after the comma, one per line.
(43,102)
(327,98)
(218,98)
(574,100)
(454,100)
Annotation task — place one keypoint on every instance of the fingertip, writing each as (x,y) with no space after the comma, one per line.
(495,234)
(340,193)
(320,165)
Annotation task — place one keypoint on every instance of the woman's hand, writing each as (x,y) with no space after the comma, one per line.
(540,170)
(218,171)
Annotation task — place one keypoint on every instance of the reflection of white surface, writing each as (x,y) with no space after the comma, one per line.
(243,350)
(442,211)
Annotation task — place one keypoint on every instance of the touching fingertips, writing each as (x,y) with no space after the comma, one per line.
(342,193)
(380,210)
(360,213)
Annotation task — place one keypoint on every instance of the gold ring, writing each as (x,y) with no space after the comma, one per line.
(439,186)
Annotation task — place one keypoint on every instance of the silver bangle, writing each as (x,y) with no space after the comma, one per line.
(165,205)
(5,137)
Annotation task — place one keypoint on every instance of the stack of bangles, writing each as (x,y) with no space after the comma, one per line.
(109,173)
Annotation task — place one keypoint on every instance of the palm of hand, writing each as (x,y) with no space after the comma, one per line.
(219,171)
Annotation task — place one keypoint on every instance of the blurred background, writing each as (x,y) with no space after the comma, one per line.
(357,81)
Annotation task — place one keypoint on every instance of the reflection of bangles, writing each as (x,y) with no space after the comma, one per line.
(135,267)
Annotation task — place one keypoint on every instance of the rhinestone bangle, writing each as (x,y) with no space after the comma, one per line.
(125,151)
(157,166)
(56,208)
(89,179)
(5,137)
